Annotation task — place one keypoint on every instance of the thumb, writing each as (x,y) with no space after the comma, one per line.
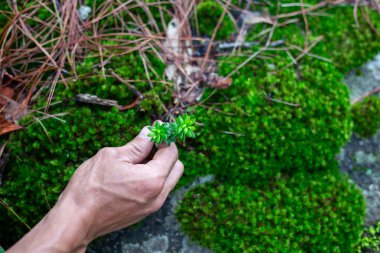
(138,149)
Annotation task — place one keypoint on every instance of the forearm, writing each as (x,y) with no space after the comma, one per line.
(61,230)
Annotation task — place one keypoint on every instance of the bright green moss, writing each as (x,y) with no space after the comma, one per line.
(196,164)
(301,213)
(366,116)
(257,137)
(209,13)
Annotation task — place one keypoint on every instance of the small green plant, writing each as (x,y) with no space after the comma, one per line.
(370,241)
(167,132)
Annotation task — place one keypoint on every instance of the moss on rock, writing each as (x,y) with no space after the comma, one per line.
(271,121)
(301,213)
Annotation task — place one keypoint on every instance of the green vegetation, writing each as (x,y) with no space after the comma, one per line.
(182,127)
(301,213)
(366,116)
(370,241)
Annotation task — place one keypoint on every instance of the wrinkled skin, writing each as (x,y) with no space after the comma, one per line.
(114,189)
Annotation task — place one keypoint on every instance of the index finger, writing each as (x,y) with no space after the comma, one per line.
(165,158)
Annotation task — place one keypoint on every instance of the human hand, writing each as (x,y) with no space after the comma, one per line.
(112,190)
(116,189)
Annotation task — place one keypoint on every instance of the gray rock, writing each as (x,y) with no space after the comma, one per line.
(157,244)
(132,247)
(360,160)
(363,158)
(367,79)
(374,66)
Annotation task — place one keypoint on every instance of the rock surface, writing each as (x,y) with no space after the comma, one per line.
(364,79)
(159,233)
(360,159)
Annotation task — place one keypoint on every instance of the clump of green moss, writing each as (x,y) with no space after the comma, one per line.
(301,213)
(208,14)
(269,122)
(366,116)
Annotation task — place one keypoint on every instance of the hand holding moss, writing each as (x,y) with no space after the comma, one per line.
(114,189)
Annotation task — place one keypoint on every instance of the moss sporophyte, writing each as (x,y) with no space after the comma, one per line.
(168,132)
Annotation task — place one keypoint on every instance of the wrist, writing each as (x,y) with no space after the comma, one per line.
(68,226)
(63,229)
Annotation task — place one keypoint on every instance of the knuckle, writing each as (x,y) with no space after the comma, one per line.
(135,148)
(152,189)
(159,180)
(107,151)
